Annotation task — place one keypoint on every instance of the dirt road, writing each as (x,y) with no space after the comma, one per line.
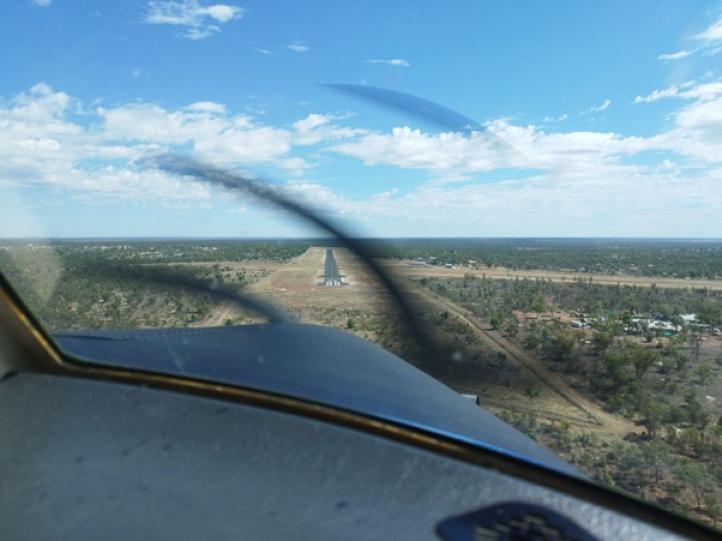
(405,268)
(590,411)
(218,316)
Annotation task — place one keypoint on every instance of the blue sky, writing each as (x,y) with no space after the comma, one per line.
(600,119)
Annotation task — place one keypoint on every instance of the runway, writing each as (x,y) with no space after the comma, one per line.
(332,276)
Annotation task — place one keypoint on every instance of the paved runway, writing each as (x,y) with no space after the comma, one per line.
(332,276)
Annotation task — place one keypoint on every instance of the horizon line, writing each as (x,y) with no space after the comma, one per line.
(326,237)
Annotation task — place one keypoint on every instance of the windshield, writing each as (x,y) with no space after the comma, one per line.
(540,181)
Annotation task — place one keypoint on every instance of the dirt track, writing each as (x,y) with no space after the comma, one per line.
(591,413)
(406,268)
(218,316)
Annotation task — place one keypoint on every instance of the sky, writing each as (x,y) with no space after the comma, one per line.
(595,119)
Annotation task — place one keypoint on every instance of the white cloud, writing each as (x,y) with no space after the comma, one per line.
(712,34)
(207,107)
(263,51)
(222,13)
(703,92)
(41,108)
(311,122)
(454,156)
(674,56)
(213,135)
(247,145)
(697,134)
(686,90)
(316,128)
(397,62)
(324,198)
(710,40)
(657,95)
(603,107)
(298,47)
(552,179)
(560,118)
(40,143)
(614,201)
(696,137)
(42,3)
(200,21)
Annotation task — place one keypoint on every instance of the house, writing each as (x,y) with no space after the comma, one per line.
(662,327)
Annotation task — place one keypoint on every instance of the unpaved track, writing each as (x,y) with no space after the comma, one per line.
(590,410)
(408,269)
(591,424)
(218,316)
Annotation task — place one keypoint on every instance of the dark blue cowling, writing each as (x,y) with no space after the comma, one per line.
(315,363)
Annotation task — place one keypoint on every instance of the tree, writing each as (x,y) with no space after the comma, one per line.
(601,342)
(531,341)
(681,359)
(629,459)
(654,414)
(538,305)
(614,364)
(694,477)
(560,347)
(681,338)
(693,408)
(657,455)
(703,371)
(642,359)
(712,506)
(580,341)
(512,327)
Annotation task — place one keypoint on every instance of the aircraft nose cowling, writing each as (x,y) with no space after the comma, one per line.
(314,363)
